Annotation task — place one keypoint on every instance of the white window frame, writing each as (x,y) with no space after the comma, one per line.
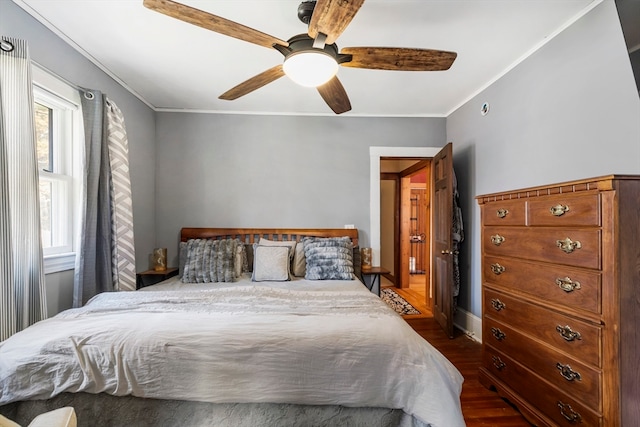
(67,130)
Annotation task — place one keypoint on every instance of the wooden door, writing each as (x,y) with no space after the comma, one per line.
(442,242)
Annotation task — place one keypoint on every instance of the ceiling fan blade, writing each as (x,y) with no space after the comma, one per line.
(255,82)
(398,58)
(335,96)
(212,22)
(331,17)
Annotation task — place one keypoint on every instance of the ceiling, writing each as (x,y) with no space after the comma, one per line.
(172,65)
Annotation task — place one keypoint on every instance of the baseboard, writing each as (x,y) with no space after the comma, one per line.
(469,323)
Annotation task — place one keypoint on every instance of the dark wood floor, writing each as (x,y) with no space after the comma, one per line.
(480,406)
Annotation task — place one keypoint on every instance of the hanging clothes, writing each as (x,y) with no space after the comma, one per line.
(457,234)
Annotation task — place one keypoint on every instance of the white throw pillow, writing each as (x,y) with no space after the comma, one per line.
(270,263)
(288,243)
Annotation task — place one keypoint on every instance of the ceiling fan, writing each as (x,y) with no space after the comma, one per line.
(312,59)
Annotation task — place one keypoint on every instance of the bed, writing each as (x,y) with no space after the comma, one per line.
(252,348)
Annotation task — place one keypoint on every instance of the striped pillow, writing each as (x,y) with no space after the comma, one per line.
(209,260)
(328,258)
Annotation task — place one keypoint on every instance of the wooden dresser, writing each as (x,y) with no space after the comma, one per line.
(561,301)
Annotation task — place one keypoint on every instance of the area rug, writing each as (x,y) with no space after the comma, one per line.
(395,301)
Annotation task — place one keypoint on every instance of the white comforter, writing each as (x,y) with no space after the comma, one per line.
(299,342)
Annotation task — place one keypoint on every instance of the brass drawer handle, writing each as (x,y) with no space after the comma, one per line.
(497,269)
(498,334)
(559,210)
(497,240)
(502,213)
(567,284)
(568,334)
(568,413)
(498,363)
(568,373)
(567,245)
(497,304)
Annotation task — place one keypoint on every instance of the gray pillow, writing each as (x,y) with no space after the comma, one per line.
(240,264)
(209,260)
(201,256)
(226,257)
(357,262)
(182,258)
(329,258)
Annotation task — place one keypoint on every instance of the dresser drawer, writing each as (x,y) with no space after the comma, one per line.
(578,339)
(570,375)
(576,247)
(565,210)
(579,289)
(553,403)
(507,212)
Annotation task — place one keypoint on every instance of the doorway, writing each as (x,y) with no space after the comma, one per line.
(405,231)
(375,154)
(441,221)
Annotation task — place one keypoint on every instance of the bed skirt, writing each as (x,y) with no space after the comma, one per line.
(106,410)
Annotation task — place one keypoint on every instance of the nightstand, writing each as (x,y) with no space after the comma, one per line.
(151,277)
(374,274)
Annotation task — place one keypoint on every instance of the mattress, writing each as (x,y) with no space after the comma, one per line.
(296,342)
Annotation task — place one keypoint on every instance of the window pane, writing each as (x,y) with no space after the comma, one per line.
(45,213)
(43,137)
(57,123)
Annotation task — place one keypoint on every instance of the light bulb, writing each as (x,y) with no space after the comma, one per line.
(310,68)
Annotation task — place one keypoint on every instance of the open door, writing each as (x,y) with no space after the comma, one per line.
(442,253)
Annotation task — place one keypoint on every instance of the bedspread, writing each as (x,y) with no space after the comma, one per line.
(243,344)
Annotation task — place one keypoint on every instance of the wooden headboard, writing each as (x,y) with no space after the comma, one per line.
(253,235)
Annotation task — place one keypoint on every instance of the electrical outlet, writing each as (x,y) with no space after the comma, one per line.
(349,226)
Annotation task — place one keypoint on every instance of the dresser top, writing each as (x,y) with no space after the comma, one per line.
(602,183)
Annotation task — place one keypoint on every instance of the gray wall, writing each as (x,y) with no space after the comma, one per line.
(50,51)
(569,111)
(217,170)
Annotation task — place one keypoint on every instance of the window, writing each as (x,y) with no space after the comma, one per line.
(58,128)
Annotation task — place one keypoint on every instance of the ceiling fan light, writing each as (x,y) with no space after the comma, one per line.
(311,68)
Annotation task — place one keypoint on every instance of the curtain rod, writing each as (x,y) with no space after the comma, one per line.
(86,92)
(56,75)
(6,45)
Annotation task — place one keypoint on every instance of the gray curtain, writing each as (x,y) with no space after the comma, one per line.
(22,293)
(102,265)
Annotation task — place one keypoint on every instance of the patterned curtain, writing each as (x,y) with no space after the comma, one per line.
(123,257)
(105,260)
(22,293)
